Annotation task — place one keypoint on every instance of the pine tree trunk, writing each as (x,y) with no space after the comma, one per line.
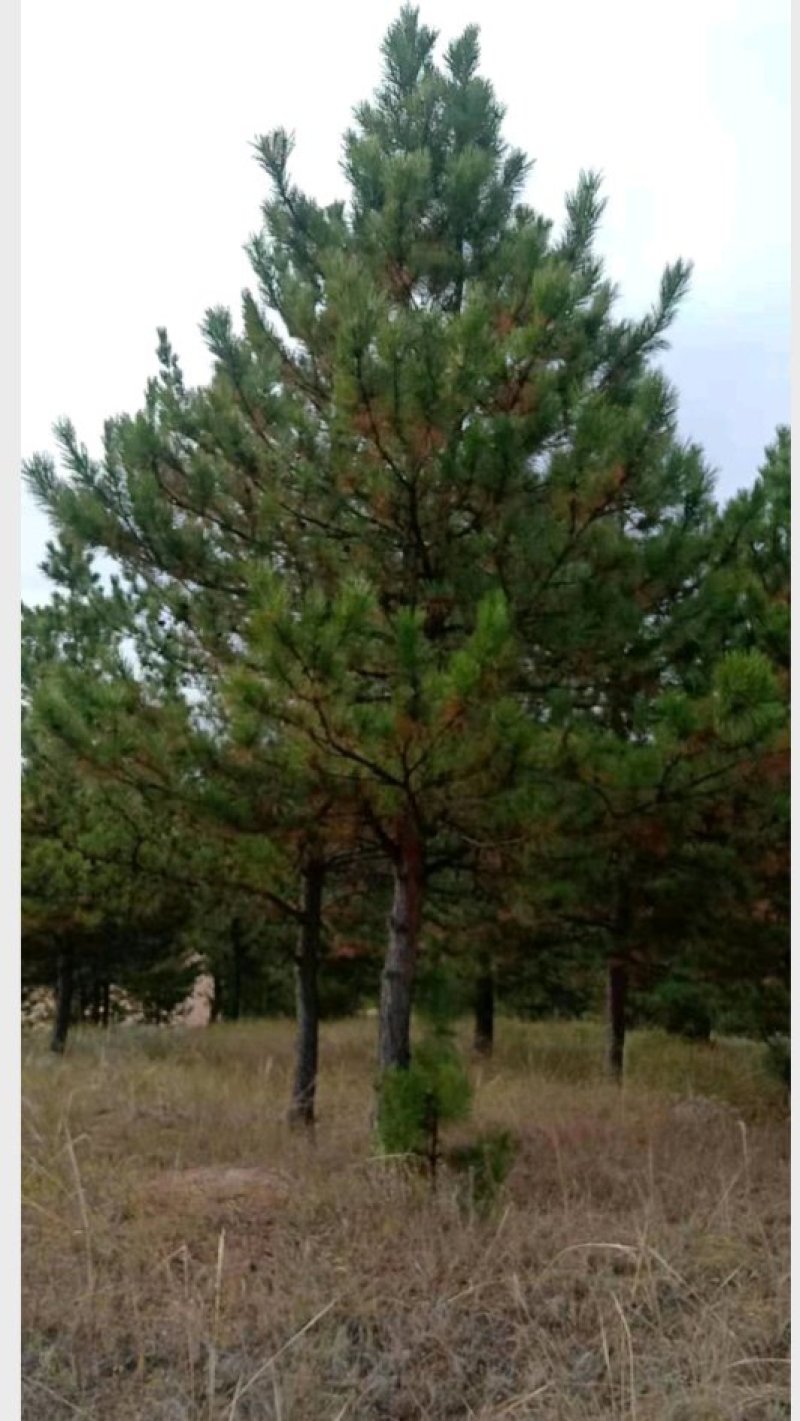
(394,1046)
(304,1085)
(64,992)
(106,1008)
(235,1003)
(97,1001)
(484,1010)
(617,1016)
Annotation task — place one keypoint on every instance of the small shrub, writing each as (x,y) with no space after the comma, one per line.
(435,1090)
(683,1009)
(779,1058)
(415,1103)
(486,1163)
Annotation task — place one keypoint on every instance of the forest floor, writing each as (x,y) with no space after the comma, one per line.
(186,1257)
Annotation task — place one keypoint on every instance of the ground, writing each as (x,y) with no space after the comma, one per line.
(187,1257)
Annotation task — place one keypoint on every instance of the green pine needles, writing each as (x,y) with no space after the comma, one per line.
(414,1104)
(435,1091)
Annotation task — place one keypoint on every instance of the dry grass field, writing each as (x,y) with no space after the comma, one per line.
(187,1258)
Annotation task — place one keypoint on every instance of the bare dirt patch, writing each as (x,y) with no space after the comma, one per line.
(221,1184)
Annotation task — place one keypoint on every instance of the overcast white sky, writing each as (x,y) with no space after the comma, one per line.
(139,187)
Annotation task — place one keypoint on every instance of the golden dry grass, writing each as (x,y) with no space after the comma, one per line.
(187,1258)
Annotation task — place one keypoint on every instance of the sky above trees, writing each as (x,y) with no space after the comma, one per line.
(140,187)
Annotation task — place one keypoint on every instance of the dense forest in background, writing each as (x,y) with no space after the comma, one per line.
(428,656)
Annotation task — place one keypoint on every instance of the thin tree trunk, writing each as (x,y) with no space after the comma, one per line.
(617,1016)
(106,1008)
(215,1006)
(484,1010)
(394,1045)
(64,991)
(304,1085)
(235,1004)
(97,1001)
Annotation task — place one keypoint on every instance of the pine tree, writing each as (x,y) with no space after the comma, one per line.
(685,775)
(87,923)
(426,536)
